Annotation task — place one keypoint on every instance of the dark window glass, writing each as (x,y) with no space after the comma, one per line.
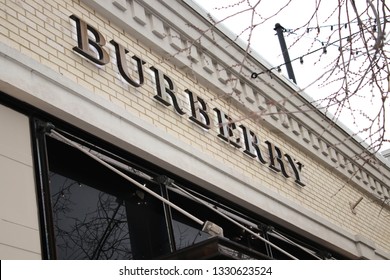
(99,215)
(88,223)
(185,233)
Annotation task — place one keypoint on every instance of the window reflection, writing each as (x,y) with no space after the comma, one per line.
(88,223)
(100,215)
(186,235)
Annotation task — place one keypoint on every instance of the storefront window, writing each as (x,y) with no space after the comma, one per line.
(94,213)
(99,215)
(88,223)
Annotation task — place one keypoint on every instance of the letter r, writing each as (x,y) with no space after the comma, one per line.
(99,56)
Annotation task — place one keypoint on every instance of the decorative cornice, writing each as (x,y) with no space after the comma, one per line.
(180,32)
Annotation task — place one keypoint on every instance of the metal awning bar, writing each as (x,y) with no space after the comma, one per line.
(123,175)
(282,237)
(207,226)
(235,222)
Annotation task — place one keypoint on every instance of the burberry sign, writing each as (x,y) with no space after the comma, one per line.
(91,44)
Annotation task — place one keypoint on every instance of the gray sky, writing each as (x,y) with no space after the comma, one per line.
(265,43)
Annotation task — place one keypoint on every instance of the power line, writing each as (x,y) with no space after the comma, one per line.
(344,25)
(323,48)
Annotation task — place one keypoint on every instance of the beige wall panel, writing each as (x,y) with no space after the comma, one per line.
(12,253)
(15,136)
(19,237)
(19,234)
(18,201)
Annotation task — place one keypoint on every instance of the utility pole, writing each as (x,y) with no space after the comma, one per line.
(279,30)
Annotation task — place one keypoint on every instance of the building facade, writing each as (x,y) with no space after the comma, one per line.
(132,129)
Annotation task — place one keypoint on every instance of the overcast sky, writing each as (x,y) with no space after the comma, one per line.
(265,42)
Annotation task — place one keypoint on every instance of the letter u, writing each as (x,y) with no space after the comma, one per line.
(120,52)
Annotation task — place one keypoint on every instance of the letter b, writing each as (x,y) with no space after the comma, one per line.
(99,56)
